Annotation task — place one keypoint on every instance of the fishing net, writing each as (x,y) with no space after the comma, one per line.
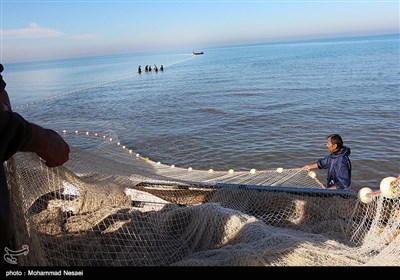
(109,206)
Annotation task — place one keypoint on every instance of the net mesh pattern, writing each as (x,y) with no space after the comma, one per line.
(108,206)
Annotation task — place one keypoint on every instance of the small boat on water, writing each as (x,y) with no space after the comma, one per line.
(197,53)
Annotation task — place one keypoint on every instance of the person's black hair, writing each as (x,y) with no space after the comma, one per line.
(336,139)
(1,67)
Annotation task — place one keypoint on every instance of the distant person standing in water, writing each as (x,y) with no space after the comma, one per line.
(161,68)
(139,70)
(338,164)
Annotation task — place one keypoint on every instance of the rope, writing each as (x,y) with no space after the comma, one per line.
(193,56)
(395,182)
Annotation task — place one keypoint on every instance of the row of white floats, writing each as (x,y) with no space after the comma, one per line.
(312,174)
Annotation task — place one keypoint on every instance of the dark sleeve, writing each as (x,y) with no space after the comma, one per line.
(323,163)
(15,133)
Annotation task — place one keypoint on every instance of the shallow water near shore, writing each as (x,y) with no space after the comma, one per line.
(239,107)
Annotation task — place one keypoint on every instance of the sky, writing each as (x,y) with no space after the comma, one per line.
(51,29)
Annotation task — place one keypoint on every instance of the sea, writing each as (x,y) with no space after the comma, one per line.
(260,106)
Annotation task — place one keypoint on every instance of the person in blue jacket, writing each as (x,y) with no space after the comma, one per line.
(338,164)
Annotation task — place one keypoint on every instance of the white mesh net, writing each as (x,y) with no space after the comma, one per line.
(108,206)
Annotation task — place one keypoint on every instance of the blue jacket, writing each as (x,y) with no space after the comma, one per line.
(339,168)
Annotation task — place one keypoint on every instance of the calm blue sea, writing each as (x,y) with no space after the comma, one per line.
(240,107)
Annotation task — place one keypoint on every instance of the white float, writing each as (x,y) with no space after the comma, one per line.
(365,195)
(312,174)
(387,190)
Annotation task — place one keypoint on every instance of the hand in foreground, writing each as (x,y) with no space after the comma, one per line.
(310,166)
(48,145)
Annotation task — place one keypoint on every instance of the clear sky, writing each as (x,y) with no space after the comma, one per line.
(51,29)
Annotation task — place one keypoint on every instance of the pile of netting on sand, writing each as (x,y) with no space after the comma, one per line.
(108,206)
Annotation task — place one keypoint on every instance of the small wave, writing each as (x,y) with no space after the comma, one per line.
(211,111)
